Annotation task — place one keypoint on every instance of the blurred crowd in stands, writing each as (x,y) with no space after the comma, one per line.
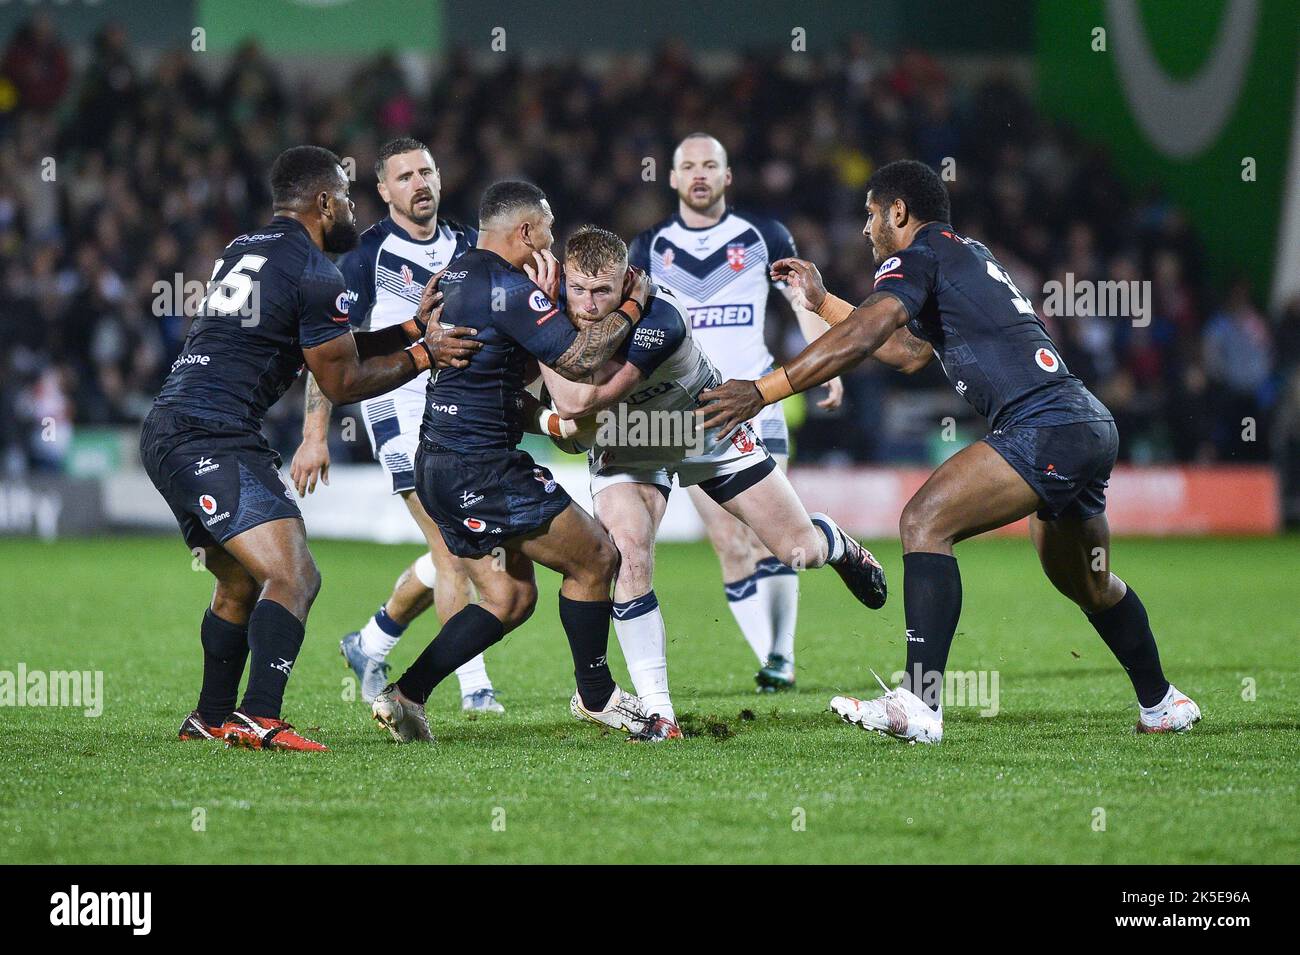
(114,178)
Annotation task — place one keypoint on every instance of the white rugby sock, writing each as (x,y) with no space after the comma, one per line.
(473,676)
(751,615)
(778,590)
(380,635)
(639,625)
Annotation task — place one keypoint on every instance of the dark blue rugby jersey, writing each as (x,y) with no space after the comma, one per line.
(993,347)
(272,294)
(478,408)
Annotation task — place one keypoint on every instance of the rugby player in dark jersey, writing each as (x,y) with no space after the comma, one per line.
(493,504)
(1047,457)
(274,302)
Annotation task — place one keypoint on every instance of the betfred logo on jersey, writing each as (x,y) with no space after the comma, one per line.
(1046,360)
(208,503)
(736,256)
(718,316)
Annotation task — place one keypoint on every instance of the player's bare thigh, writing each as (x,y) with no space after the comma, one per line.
(506,585)
(738,548)
(1075,555)
(974,491)
(631,513)
(236,592)
(773,513)
(575,546)
(275,554)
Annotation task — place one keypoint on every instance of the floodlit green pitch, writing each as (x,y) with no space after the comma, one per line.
(1057,775)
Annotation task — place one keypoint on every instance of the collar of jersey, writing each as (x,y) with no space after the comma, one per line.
(286,220)
(401,233)
(677,217)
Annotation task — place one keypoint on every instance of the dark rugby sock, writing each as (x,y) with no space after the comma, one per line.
(931,605)
(586,624)
(274,638)
(1127,632)
(225,650)
(462,638)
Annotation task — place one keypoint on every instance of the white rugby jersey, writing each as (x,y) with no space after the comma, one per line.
(676,369)
(721,274)
(386,274)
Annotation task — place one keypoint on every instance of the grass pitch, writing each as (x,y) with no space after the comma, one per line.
(1056,776)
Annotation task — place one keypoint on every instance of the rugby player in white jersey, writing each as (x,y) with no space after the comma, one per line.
(637,416)
(386,274)
(715,258)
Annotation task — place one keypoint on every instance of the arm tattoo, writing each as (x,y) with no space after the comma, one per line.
(595,344)
(316,400)
(916,347)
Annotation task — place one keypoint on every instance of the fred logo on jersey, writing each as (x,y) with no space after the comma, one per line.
(721,316)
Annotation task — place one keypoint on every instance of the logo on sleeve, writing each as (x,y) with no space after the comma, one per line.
(538,301)
(889,265)
(1046,360)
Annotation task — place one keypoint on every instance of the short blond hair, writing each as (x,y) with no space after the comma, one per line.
(591,250)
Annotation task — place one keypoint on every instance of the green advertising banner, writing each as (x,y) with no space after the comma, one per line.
(1198,97)
(353,27)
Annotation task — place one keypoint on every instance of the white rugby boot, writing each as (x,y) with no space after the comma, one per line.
(899,713)
(401,716)
(623,712)
(1176,713)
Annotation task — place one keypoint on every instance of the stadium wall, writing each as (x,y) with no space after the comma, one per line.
(1156,501)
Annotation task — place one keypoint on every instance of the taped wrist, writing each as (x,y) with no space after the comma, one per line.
(420,355)
(834,309)
(774,386)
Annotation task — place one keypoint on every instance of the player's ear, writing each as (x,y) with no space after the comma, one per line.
(899,213)
(726,179)
(383,191)
(672,178)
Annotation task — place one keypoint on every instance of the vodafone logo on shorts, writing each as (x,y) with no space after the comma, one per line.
(208,503)
(474,524)
(1046,360)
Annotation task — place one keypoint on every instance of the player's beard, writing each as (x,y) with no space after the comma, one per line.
(422,218)
(341,236)
(701,205)
(887,244)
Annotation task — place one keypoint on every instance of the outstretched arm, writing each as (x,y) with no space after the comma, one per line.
(861,333)
(813,327)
